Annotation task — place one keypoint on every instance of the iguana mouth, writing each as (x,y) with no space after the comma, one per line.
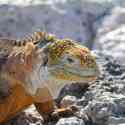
(82,73)
(75,73)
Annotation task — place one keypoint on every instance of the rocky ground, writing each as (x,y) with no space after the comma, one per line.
(98,25)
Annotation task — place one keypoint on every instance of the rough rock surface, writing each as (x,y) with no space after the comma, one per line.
(70,121)
(110,37)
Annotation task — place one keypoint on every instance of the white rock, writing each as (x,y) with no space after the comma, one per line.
(70,121)
(111,35)
(68,101)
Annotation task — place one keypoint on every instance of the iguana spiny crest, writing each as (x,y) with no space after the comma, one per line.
(42,60)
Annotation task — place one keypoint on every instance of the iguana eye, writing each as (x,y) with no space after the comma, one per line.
(70,60)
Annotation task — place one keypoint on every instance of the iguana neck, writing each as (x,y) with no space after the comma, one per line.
(41,78)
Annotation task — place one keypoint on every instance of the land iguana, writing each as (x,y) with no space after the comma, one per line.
(33,71)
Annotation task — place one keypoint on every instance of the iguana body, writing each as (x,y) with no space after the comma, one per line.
(34,70)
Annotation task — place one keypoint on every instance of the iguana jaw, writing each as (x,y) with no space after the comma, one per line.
(57,77)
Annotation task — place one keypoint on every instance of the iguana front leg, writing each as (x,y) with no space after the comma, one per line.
(44,102)
(48,112)
(46,106)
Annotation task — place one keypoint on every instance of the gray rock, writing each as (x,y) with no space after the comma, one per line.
(111,35)
(98,112)
(103,107)
(116,121)
(68,101)
(70,121)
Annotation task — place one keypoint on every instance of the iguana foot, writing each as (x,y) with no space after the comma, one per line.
(64,112)
(50,112)
(56,114)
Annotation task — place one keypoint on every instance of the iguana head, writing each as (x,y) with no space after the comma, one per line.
(69,61)
(45,61)
(63,62)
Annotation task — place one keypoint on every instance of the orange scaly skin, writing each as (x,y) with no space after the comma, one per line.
(33,71)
